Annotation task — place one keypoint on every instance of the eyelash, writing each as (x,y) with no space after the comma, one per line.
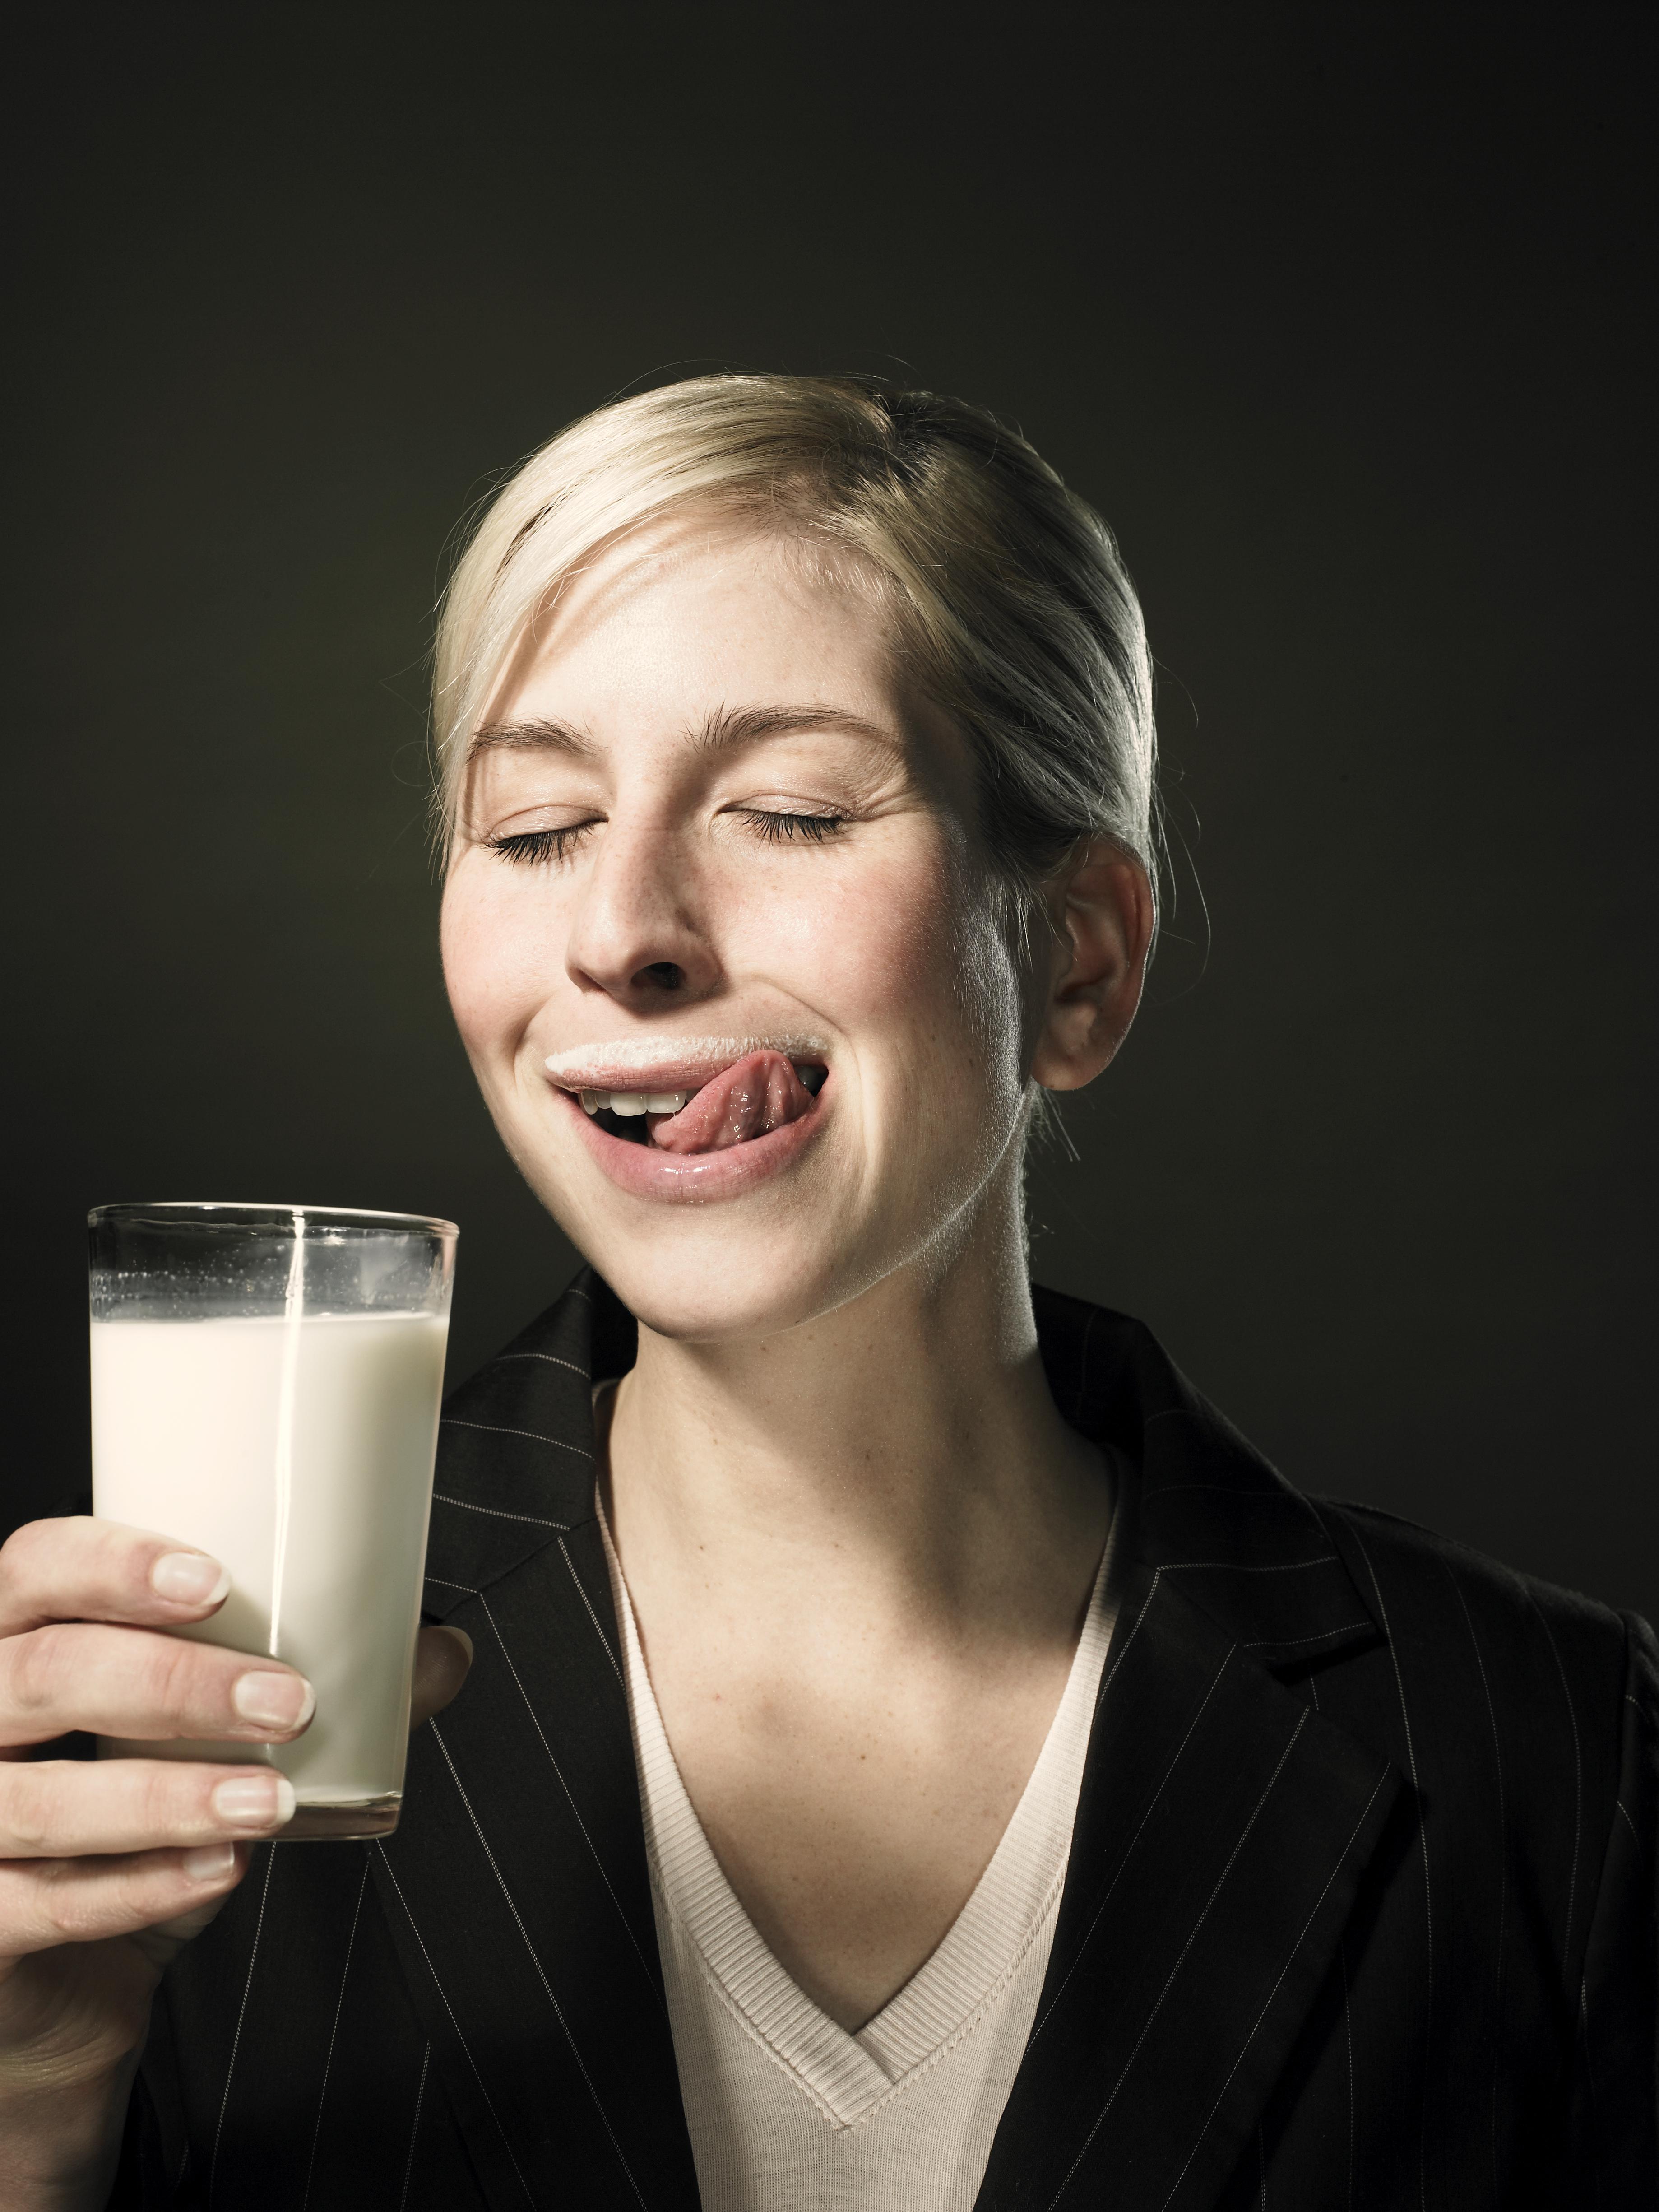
(776,828)
(534,848)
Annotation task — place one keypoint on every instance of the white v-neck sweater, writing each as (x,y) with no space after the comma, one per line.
(787,2111)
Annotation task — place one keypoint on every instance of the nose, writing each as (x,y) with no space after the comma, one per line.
(638,934)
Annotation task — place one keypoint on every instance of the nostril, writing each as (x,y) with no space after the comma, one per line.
(661,976)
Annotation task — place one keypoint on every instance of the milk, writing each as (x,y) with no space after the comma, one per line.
(297,1451)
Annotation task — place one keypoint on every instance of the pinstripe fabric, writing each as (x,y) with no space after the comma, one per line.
(1360,1911)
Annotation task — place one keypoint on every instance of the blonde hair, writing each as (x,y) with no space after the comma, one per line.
(1011,604)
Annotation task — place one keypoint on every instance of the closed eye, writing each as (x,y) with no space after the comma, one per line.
(775,827)
(534,847)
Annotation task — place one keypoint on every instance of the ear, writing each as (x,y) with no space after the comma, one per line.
(1100,910)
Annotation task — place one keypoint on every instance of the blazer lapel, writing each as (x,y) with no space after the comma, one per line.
(1222,1830)
(1223,1825)
(516,1888)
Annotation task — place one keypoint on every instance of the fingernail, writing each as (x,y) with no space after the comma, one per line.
(273,1701)
(254,1802)
(190,1578)
(209,1862)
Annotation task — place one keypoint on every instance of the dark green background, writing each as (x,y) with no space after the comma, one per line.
(1341,318)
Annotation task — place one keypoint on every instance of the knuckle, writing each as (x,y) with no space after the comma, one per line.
(18,1570)
(180,1677)
(26,1809)
(154,1671)
(29,1552)
(66,1903)
(20,1547)
(161,1807)
(35,1666)
(13,1554)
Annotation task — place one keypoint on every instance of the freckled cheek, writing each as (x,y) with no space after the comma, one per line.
(865,948)
(503,958)
(878,952)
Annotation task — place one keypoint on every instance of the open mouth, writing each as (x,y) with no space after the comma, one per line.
(762,1091)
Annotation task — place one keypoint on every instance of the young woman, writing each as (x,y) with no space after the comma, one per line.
(915,1755)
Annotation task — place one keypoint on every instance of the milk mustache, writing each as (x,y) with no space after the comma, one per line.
(297,1451)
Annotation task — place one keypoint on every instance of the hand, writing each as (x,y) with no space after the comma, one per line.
(108,1867)
(442,1658)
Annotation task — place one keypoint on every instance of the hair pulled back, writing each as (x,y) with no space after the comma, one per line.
(1008,597)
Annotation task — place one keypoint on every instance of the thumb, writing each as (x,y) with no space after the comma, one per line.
(442,1656)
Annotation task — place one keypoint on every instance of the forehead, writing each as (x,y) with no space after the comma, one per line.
(703,612)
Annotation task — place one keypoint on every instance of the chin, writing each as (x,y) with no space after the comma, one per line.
(719,1289)
(761,1261)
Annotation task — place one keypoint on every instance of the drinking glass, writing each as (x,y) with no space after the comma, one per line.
(265,1385)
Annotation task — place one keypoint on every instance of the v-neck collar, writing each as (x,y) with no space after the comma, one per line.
(849,2075)
(1222,1827)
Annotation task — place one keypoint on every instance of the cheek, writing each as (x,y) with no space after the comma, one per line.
(500,954)
(856,942)
(904,947)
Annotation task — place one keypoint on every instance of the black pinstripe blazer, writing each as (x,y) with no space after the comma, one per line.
(1360,1912)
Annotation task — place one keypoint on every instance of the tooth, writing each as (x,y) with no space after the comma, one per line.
(592,1101)
(627,1102)
(666,1102)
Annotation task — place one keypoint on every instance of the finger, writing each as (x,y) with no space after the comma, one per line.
(45,1902)
(161,1944)
(136,1683)
(80,1568)
(442,1658)
(72,1808)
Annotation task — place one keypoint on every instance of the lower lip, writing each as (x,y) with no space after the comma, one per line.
(694,1178)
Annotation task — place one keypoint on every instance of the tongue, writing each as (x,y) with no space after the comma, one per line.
(754,1095)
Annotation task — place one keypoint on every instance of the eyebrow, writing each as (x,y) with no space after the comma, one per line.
(744,725)
(536,736)
(727,727)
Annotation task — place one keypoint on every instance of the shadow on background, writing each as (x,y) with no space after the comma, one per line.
(1345,333)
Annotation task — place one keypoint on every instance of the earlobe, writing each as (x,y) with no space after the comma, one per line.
(1101,911)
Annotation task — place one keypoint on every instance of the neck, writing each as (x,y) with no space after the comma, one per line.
(902,1452)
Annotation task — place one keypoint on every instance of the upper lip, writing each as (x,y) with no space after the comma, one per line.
(623,1067)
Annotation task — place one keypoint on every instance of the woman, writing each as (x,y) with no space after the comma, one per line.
(915,1754)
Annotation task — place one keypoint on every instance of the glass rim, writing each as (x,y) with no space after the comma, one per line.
(253,1214)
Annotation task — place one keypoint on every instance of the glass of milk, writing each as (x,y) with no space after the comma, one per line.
(265,1384)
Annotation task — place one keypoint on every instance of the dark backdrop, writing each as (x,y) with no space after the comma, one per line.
(1338,315)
